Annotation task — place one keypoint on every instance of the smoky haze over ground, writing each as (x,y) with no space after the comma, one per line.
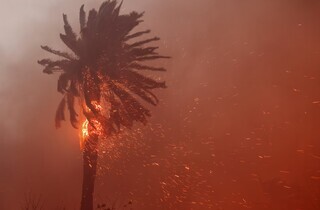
(237,127)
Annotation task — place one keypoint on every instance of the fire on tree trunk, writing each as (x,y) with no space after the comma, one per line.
(90,158)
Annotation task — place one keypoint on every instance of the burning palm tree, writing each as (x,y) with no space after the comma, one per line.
(104,74)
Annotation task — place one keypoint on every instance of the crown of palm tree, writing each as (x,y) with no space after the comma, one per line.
(103,70)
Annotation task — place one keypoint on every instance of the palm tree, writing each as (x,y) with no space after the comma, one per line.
(104,74)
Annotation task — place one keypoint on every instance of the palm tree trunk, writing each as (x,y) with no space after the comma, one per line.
(90,158)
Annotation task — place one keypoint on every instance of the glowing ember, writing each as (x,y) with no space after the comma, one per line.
(96,129)
(96,105)
(85,132)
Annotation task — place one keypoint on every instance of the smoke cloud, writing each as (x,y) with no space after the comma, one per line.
(236,128)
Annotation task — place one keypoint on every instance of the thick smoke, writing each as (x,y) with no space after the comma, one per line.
(237,127)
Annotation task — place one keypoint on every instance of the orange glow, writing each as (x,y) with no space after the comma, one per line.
(96,105)
(84,129)
(96,127)
(84,132)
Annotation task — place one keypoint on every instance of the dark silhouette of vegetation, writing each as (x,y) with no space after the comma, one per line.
(104,206)
(104,73)
(32,202)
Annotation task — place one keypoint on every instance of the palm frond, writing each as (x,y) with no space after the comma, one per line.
(72,44)
(136,35)
(144,94)
(59,53)
(137,44)
(145,82)
(73,88)
(82,18)
(91,20)
(60,113)
(72,111)
(134,109)
(51,66)
(143,67)
(138,52)
(117,9)
(63,81)
(68,29)
(104,68)
(151,58)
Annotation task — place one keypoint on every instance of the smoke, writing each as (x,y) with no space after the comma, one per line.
(241,109)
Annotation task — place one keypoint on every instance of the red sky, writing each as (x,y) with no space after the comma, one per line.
(237,127)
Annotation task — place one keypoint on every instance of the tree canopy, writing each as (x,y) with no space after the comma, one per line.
(104,69)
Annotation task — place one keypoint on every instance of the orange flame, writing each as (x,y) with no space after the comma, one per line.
(85,125)
(84,132)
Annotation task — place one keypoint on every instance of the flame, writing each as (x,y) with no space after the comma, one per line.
(84,132)
(96,105)
(96,127)
(84,129)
